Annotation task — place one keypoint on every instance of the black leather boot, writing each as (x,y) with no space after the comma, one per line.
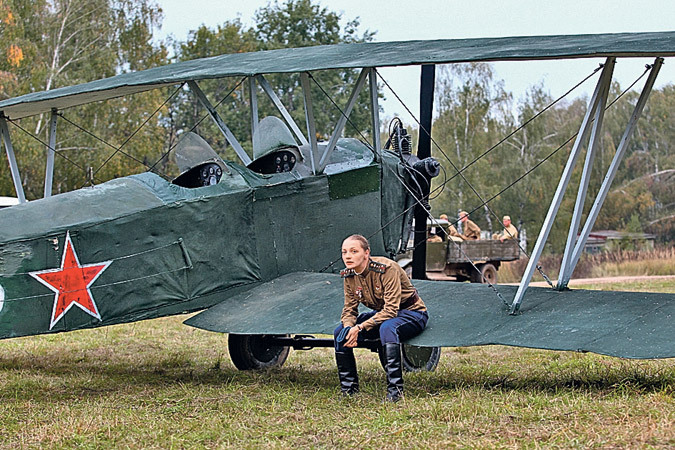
(346,365)
(392,353)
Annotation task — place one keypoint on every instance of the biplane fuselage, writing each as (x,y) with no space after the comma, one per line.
(147,248)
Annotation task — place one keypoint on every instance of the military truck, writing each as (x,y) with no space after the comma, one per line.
(453,259)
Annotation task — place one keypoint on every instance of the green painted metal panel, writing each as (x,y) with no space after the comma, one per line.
(347,56)
(354,182)
(623,324)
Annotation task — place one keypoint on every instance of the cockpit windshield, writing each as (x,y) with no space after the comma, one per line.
(198,163)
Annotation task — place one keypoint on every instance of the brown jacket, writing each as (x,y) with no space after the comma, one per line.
(470,231)
(509,232)
(384,287)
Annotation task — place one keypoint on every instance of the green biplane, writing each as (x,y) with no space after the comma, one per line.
(254,243)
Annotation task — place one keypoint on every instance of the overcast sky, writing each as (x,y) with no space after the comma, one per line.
(447,19)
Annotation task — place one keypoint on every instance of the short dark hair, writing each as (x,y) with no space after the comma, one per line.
(360,239)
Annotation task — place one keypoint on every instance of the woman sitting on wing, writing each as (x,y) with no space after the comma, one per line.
(398,313)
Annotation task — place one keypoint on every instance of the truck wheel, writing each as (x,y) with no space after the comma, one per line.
(416,359)
(487,274)
(253,352)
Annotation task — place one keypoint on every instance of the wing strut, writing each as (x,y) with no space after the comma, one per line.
(597,102)
(253,96)
(566,271)
(375,112)
(281,108)
(309,117)
(16,177)
(594,104)
(239,150)
(427,85)
(343,120)
(49,170)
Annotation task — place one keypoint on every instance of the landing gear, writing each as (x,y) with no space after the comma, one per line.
(416,359)
(256,351)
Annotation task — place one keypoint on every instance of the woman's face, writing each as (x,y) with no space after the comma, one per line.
(354,255)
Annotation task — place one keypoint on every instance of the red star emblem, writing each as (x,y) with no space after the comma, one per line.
(71,283)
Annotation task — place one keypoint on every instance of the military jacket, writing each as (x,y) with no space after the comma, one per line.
(384,287)
(509,232)
(452,231)
(470,231)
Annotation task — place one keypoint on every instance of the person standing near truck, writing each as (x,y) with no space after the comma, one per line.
(470,231)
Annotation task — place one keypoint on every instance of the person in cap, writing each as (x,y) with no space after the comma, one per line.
(432,237)
(397,313)
(470,231)
(509,231)
(450,230)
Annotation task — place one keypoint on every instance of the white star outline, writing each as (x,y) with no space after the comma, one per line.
(35,274)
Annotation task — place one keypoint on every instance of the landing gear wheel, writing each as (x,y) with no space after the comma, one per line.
(253,352)
(487,274)
(416,359)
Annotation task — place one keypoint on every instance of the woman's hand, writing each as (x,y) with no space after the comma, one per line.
(352,337)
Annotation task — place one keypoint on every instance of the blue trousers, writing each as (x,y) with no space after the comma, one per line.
(405,325)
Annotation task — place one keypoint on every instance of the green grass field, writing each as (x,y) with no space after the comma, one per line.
(160,384)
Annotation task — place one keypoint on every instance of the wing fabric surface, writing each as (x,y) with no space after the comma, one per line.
(347,56)
(623,324)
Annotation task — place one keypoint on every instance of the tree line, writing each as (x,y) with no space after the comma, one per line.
(475,113)
(54,43)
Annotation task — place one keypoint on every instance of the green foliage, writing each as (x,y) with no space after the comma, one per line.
(474,116)
(75,41)
(295,23)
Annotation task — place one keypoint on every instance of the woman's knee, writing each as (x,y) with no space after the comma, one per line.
(388,333)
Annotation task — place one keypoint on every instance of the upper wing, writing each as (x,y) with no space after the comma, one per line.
(624,324)
(347,56)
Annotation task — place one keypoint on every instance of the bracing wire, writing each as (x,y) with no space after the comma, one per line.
(485,202)
(28,133)
(417,201)
(460,172)
(139,129)
(165,154)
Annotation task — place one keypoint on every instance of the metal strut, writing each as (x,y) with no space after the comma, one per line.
(611,171)
(604,80)
(596,104)
(309,118)
(239,150)
(282,109)
(337,132)
(16,177)
(51,148)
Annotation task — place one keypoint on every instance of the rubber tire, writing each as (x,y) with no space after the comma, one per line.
(248,352)
(416,359)
(488,273)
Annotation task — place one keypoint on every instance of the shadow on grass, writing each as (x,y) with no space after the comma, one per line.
(55,375)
